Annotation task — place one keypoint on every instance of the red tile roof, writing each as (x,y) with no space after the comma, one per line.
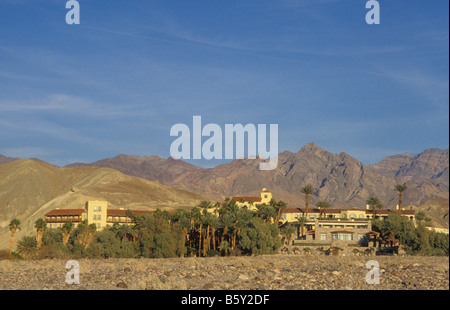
(110,212)
(246,198)
(63,212)
(292,210)
(118,212)
(330,211)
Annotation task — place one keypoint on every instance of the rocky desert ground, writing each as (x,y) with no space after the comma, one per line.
(272,272)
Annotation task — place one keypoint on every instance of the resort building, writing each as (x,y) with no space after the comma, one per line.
(355,231)
(251,202)
(95,212)
(346,224)
(292,214)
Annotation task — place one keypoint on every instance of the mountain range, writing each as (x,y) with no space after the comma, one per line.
(338,178)
(30,187)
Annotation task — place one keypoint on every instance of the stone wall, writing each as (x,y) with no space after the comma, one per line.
(326,249)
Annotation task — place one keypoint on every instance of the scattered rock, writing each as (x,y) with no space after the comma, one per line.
(267,272)
(122,285)
(243,277)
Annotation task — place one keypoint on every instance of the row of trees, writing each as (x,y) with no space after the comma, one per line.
(414,239)
(374,202)
(206,230)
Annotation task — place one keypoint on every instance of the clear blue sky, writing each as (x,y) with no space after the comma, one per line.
(116,83)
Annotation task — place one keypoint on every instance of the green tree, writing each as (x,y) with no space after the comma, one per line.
(104,245)
(421,217)
(375,203)
(40,226)
(323,206)
(260,237)
(14,225)
(307,190)
(301,220)
(66,230)
(124,231)
(155,238)
(281,206)
(27,247)
(85,233)
(205,204)
(265,212)
(400,188)
(287,230)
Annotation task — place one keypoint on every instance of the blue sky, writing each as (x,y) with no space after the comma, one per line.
(116,83)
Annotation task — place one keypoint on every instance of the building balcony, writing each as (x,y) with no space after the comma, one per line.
(63,220)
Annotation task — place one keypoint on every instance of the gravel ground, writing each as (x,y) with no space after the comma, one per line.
(272,272)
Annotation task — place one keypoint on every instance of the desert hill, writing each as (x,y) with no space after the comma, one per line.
(30,188)
(437,209)
(430,165)
(4,159)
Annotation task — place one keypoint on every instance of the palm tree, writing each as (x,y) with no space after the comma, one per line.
(287,231)
(205,204)
(375,203)
(323,206)
(125,231)
(307,190)
(66,231)
(226,223)
(85,233)
(40,226)
(281,205)
(14,225)
(400,188)
(302,221)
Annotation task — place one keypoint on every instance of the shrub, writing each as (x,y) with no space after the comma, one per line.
(260,237)
(27,246)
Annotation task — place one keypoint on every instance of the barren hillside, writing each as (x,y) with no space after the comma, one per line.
(30,188)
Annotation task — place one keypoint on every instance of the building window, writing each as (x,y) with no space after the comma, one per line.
(323,237)
(265,196)
(344,237)
(352,216)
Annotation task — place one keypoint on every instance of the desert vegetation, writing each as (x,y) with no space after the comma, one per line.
(206,230)
(209,229)
(414,239)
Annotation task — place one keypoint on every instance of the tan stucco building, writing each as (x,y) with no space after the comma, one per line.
(95,212)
